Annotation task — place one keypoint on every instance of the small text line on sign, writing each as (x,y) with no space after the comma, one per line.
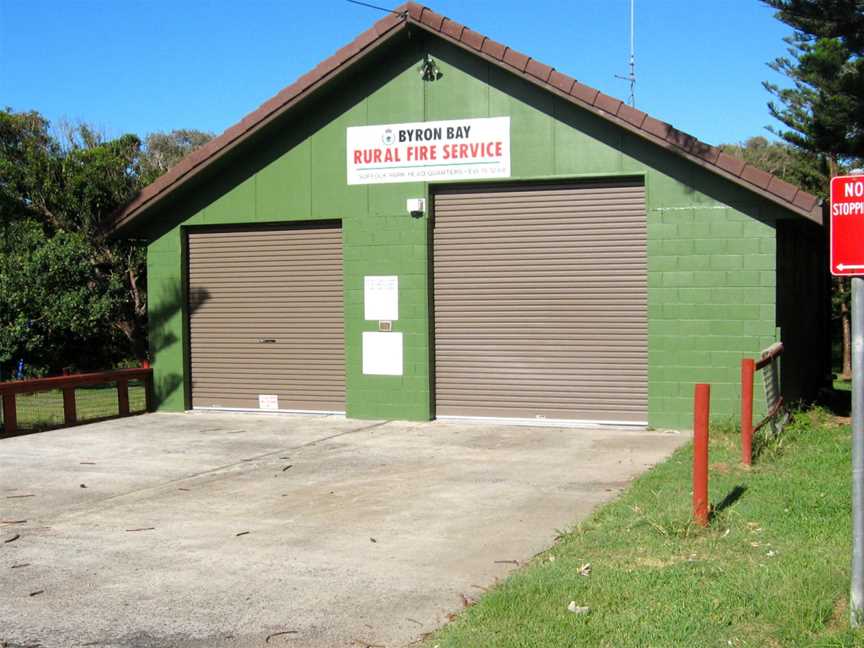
(847,225)
(458,149)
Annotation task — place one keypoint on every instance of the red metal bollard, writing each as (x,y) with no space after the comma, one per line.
(701,406)
(748,369)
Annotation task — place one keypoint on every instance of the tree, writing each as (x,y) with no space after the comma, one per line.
(781,159)
(69,295)
(164,150)
(823,110)
(53,300)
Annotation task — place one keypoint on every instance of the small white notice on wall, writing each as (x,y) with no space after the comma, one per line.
(382,354)
(381,297)
(268,401)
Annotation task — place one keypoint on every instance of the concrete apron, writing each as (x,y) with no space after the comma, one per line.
(223,529)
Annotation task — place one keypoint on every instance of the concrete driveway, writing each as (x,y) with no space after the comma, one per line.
(218,530)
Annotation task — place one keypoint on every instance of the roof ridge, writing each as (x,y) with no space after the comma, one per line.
(610,108)
(596,99)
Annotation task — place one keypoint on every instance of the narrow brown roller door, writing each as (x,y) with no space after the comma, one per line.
(266,317)
(540,298)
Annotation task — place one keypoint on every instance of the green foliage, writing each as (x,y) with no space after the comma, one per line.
(29,175)
(793,165)
(823,110)
(53,301)
(164,150)
(69,294)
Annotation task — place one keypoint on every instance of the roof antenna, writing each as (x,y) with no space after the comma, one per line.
(631,77)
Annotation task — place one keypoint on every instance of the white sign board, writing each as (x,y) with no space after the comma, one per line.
(381,297)
(268,401)
(459,149)
(382,354)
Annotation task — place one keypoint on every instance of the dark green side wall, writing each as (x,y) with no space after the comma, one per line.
(711,244)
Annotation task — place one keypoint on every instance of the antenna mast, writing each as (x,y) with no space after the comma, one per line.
(631,76)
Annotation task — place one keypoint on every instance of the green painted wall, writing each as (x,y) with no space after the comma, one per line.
(711,243)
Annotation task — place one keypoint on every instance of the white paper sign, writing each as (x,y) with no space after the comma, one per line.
(381,297)
(382,354)
(268,401)
(457,149)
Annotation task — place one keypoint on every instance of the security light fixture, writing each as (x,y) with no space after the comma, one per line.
(428,70)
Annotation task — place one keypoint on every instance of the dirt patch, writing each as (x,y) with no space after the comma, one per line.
(720,468)
(654,563)
(840,615)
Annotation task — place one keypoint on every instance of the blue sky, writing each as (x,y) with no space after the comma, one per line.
(140,66)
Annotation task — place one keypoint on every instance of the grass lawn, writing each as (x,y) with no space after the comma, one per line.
(772,570)
(45,409)
(842,385)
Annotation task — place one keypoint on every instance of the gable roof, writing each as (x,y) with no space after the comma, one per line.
(537,73)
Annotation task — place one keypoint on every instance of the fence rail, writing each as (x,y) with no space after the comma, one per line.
(768,361)
(67,384)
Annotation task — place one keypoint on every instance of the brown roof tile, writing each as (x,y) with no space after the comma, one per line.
(730,163)
(452,29)
(607,103)
(682,140)
(365,39)
(706,152)
(387,23)
(756,176)
(782,188)
(631,115)
(584,93)
(561,81)
(538,70)
(656,127)
(473,39)
(494,49)
(517,59)
(344,53)
(432,19)
(415,14)
(806,201)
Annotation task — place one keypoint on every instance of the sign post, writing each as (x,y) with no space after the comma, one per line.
(847,260)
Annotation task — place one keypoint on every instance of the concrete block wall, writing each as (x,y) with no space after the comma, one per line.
(712,286)
(388,243)
(711,244)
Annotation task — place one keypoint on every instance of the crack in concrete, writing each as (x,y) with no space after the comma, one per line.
(249,461)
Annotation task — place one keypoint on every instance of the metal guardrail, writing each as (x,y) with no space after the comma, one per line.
(67,384)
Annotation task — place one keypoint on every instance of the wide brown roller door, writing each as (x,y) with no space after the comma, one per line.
(541,307)
(266,317)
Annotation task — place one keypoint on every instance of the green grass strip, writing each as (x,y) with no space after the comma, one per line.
(772,570)
(45,409)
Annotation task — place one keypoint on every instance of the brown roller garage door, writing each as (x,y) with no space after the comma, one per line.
(540,300)
(266,317)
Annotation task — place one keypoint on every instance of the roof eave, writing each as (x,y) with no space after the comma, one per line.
(217,149)
(632,120)
(485,47)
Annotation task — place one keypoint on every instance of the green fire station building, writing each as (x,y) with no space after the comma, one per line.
(430,224)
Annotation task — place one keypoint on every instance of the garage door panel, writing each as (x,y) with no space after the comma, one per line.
(281,284)
(540,301)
